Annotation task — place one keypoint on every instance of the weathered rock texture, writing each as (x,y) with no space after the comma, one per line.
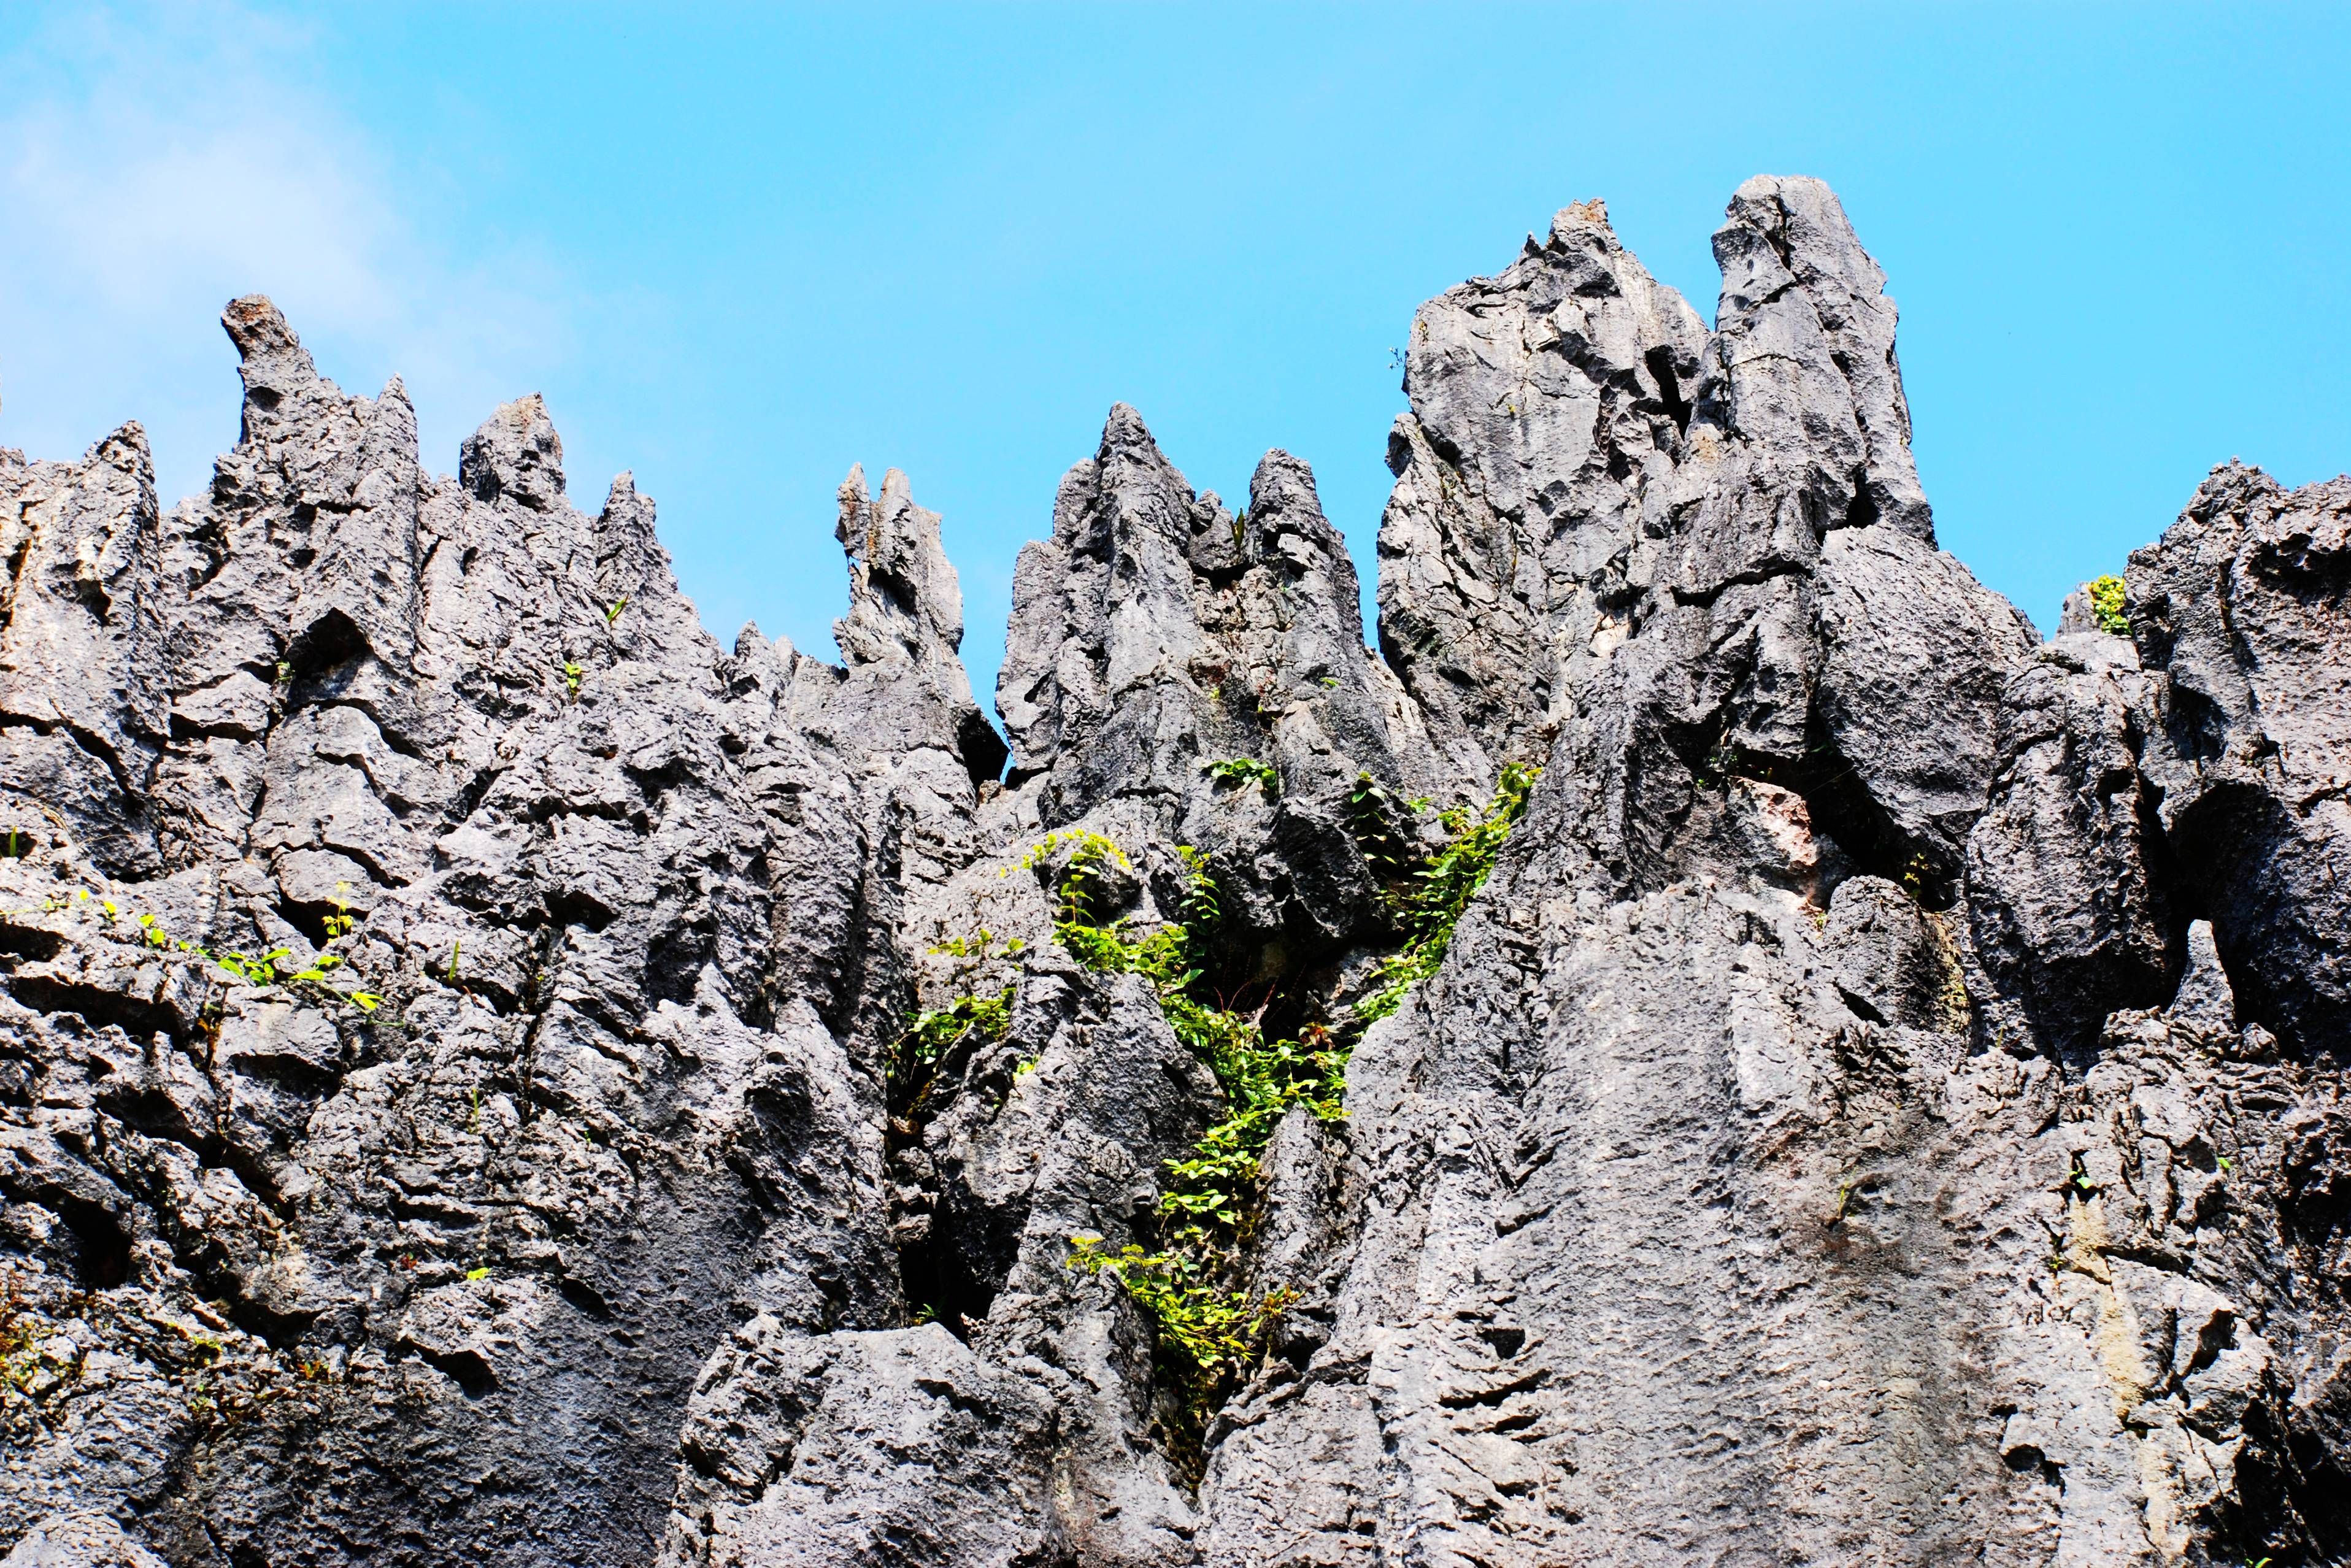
(1885,1105)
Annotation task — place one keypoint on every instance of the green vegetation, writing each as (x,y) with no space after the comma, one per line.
(931,1033)
(276,967)
(20,1337)
(614,613)
(976,946)
(2107,595)
(1426,911)
(1244,770)
(1206,1332)
(915,1054)
(1208,1327)
(1209,1323)
(573,676)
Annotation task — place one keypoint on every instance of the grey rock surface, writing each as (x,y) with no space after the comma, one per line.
(458,1100)
(79,1541)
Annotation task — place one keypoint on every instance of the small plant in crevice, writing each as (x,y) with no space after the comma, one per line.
(339,924)
(976,946)
(2107,596)
(1244,770)
(1089,853)
(1208,1331)
(20,1337)
(573,676)
(1918,876)
(1372,815)
(930,1034)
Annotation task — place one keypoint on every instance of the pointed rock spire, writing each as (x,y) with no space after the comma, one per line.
(276,368)
(516,453)
(83,700)
(1805,343)
(905,600)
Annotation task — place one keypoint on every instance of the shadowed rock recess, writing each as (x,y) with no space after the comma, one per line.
(1883,1103)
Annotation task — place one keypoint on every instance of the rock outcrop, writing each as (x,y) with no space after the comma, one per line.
(488,1074)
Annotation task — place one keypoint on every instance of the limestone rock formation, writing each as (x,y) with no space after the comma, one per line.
(488,1075)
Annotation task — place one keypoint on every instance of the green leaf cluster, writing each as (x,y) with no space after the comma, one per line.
(276,967)
(1203,1327)
(1244,770)
(1206,1329)
(931,1033)
(976,946)
(1431,902)
(2106,596)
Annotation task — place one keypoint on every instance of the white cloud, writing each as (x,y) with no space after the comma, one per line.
(154,168)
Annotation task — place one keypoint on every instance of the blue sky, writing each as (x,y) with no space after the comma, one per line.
(738,252)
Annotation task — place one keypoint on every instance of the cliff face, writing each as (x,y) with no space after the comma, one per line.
(1875,1098)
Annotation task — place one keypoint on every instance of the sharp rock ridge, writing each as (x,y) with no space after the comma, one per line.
(489,1075)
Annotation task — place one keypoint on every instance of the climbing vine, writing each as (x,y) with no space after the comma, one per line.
(1208,1326)
(1431,902)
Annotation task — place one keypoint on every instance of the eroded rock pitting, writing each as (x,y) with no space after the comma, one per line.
(1885,1104)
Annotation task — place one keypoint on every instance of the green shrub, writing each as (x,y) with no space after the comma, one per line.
(1209,1330)
(930,1034)
(1244,770)
(2107,595)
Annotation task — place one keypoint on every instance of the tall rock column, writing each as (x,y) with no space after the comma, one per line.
(82,709)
